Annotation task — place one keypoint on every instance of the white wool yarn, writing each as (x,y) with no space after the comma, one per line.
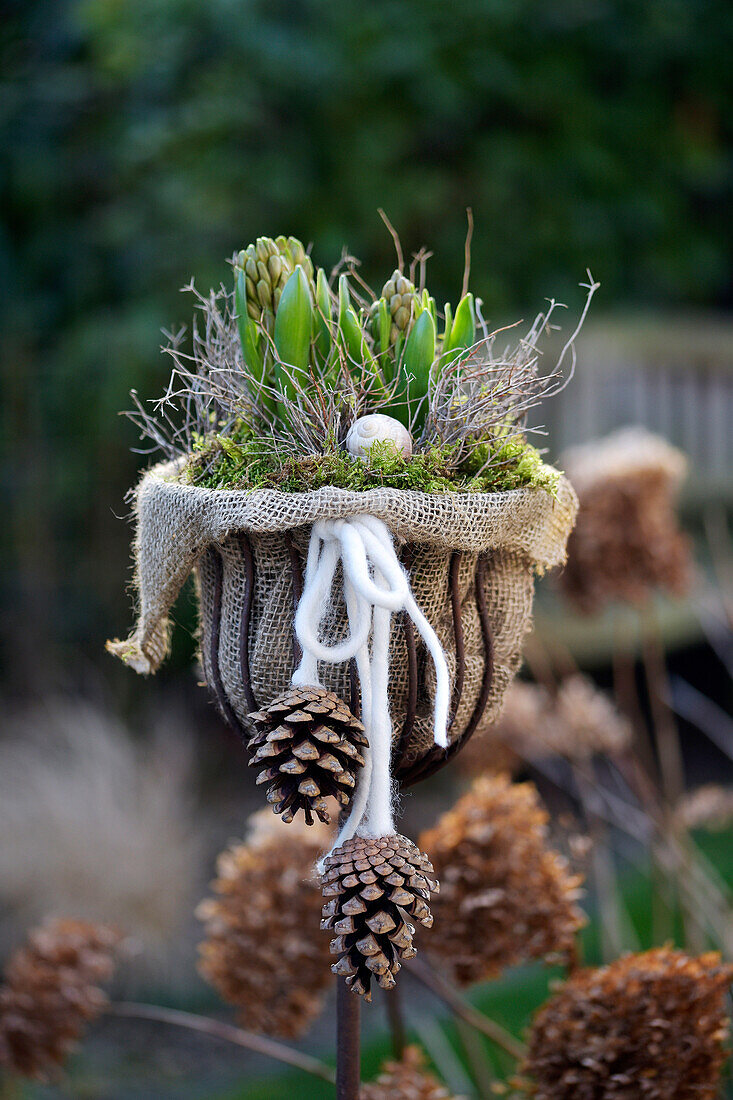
(375,585)
(377,428)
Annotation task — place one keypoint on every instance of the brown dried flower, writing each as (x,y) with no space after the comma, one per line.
(263,951)
(708,807)
(646,1027)
(586,722)
(627,540)
(406,1080)
(51,992)
(505,896)
(578,721)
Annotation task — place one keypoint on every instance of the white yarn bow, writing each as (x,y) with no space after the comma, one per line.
(375,585)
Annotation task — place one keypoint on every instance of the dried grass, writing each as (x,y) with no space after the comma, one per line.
(100,826)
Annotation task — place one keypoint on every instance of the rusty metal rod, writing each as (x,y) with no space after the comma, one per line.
(249,569)
(436,759)
(297,576)
(348,1043)
(225,707)
(460,645)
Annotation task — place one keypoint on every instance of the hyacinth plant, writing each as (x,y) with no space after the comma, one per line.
(284,362)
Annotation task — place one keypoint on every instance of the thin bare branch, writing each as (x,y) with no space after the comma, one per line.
(467,252)
(442,988)
(395,237)
(217,1029)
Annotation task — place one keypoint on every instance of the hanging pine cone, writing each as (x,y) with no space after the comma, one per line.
(372,885)
(309,742)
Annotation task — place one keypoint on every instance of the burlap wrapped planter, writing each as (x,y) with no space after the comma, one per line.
(471,558)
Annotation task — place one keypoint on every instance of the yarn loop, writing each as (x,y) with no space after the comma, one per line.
(375,586)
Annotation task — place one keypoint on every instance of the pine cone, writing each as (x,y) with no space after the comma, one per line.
(372,885)
(627,540)
(309,741)
(51,991)
(576,722)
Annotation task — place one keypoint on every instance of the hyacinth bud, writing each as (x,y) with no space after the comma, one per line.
(299,257)
(264,294)
(401,305)
(401,317)
(400,296)
(267,265)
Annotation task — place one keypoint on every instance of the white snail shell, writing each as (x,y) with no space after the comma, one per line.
(377,428)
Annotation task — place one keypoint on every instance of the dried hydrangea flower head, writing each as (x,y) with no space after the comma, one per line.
(50,992)
(262,950)
(406,1080)
(646,1027)
(586,722)
(505,895)
(576,722)
(707,807)
(627,540)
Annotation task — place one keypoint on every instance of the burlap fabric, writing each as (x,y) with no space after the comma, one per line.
(519,532)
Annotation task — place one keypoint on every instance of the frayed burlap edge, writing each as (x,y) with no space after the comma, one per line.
(175,523)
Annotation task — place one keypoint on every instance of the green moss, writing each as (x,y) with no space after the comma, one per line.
(241,462)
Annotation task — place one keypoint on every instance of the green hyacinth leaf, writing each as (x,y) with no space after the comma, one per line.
(419,354)
(248,333)
(292,334)
(445,339)
(251,341)
(352,335)
(322,316)
(428,303)
(463,332)
(382,337)
(415,368)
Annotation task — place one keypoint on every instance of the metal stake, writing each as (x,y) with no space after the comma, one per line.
(348,1055)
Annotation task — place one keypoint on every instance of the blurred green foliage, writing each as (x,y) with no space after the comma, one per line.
(144,141)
